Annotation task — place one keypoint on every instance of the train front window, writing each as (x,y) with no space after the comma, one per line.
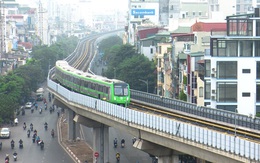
(121,89)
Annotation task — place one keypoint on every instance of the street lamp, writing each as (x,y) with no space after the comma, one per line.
(146,82)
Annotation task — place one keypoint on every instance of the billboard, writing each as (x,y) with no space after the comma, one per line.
(143,11)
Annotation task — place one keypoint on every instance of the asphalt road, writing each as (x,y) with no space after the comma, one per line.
(32,153)
(128,154)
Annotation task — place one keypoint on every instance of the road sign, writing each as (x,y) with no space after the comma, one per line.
(96,154)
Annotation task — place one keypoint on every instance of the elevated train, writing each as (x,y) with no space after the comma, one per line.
(111,90)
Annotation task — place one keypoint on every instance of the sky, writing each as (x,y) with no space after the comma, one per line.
(101,5)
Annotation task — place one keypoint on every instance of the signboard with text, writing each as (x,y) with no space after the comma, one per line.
(143,11)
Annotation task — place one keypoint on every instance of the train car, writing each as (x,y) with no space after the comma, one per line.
(111,90)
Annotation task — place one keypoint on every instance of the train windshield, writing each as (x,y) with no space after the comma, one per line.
(121,89)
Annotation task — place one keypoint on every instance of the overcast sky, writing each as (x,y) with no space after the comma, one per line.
(97,4)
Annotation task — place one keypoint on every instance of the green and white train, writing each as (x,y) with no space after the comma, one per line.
(110,90)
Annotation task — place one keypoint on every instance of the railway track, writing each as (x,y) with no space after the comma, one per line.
(86,52)
(245,133)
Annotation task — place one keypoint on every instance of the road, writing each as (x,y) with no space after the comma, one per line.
(129,154)
(31,152)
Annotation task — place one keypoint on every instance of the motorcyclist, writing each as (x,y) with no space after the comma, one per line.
(12,143)
(123,142)
(40,110)
(7,158)
(115,142)
(117,156)
(37,139)
(42,144)
(52,132)
(1,144)
(46,125)
(28,133)
(134,139)
(31,127)
(20,143)
(24,125)
(16,121)
(15,155)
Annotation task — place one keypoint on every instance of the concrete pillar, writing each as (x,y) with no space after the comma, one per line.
(168,159)
(71,125)
(164,154)
(100,143)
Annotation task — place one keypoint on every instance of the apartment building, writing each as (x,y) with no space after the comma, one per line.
(232,68)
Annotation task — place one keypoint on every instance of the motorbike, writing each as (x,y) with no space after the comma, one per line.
(115,145)
(24,127)
(46,127)
(12,145)
(16,121)
(6,160)
(31,127)
(122,143)
(32,110)
(1,144)
(40,111)
(42,145)
(28,134)
(15,157)
(52,134)
(21,145)
(117,157)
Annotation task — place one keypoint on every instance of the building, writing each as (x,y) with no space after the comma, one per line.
(232,68)
(140,11)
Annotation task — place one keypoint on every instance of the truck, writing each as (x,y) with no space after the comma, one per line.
(39,94)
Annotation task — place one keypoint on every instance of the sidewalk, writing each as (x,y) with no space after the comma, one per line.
(79,150)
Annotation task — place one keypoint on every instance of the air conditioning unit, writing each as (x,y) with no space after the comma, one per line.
(213,75)
(213,98)
(213,91)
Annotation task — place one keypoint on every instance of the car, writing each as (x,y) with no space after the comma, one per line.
(5,133)
(28,105)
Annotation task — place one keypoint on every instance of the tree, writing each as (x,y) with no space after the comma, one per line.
(130,67)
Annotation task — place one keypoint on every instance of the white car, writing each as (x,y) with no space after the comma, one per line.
(5,133)
(28,105)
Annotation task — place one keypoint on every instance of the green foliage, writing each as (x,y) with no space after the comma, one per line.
(257,114)
(182,96)
(185,80)
(106,44)
(16,86)
(125,64)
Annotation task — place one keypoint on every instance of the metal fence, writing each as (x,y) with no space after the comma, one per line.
(224,142)
(201,111)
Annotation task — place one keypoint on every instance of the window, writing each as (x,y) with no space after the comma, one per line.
(212,7)
(193,13)
(151,50)
(199,13)
(120,89)
(246,71)
(200,91)
(207,90)
(227,92)
(258,70)
(227,69)
(246,48)
(258,92)
(245,94)
(208,68)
